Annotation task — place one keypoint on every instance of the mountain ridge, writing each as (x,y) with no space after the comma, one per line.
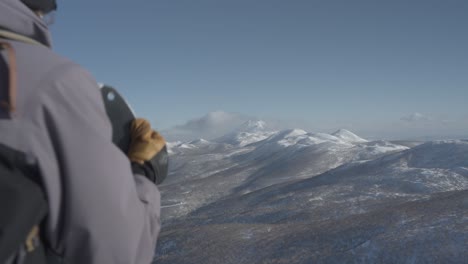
(283,194)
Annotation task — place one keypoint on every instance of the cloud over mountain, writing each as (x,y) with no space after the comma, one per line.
(210,126)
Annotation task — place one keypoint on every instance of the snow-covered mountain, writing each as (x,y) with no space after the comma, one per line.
(256,195)
(252,157)
(346,135)
(249,132)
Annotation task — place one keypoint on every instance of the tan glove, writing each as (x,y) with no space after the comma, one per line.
(145,142)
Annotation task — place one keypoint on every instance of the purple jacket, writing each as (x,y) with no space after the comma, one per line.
(99,212)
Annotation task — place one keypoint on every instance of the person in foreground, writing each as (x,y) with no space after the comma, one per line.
(102,208)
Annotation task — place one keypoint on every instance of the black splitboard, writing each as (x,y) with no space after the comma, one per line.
(121,116)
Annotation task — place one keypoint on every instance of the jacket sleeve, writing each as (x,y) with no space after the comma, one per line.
(108,215)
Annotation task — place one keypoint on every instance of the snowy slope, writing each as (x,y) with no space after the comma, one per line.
(404,206)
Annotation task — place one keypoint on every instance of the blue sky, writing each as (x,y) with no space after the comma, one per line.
(370,66)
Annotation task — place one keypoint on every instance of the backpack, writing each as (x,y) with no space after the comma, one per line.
(23,207)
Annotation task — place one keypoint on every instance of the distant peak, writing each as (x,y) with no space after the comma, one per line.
(289,133)
(253,126)
(199,141)
(294,132)
(348,136)
(342,131)
(257,123)
(249,132)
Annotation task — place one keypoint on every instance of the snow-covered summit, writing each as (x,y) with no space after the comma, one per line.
(249,132)
(348,136)
(300,137)
(200,141)
(288,137)
(253,126)
(172,146)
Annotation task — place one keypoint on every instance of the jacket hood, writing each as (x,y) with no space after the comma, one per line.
(18,18)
